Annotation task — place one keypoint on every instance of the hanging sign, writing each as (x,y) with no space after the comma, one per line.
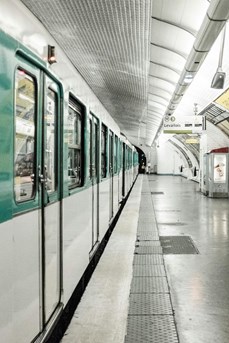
(185,124)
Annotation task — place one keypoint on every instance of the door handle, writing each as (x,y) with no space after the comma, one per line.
(42,178)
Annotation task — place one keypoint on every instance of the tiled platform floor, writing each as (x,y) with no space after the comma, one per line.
(140,294)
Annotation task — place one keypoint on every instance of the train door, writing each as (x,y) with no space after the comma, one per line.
(37,188)
(49,181)
(111,173)
(94,174)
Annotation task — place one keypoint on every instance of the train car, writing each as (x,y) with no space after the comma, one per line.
(64,170)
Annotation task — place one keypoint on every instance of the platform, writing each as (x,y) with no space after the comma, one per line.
(163,276)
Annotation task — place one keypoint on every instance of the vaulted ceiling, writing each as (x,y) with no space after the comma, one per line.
(138,56)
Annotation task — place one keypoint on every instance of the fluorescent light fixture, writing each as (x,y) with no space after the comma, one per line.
(188,78)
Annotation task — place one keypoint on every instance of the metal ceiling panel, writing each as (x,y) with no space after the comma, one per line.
(160,83)
(107,41)
(160,92)
(215,114)
(172,37)
(163,71)
(174,25)
(167,58)
(188,14)
(112,42)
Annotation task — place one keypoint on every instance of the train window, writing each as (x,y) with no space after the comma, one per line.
(130,158)
(111,152)
(74,139)
(24,146)
(96,151)
(90,150)
(50,146)
(93,147)
(120,155)
(103,151)
(116,155)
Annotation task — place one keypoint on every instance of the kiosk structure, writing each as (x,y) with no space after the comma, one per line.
(217,173)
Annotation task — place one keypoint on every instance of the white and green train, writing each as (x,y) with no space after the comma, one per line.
(64,170)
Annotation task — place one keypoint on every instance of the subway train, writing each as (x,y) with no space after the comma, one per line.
(65,169)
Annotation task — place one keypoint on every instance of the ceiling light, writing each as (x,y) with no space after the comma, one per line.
(188,78)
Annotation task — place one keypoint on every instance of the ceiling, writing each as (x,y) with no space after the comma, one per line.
(135,54)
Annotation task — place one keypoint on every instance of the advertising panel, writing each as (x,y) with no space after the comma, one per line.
(219,168)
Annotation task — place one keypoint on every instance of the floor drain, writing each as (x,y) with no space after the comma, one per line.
(178,245)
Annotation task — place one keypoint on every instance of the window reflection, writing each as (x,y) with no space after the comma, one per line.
(93,148)
(103,151)
(24,136)
(50,148)
(74,132)
(115,155)
(90,150)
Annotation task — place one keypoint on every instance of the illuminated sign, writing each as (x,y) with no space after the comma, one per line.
(220,168)
(186,124)
(192,141)
(223,100)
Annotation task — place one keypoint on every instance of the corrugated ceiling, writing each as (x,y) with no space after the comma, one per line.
(131,52)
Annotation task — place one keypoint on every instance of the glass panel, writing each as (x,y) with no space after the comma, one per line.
(50,146)
(111,153)
(24,164)
(74,173)
(90,150)
(103,152)
(96,147)
(115,155)
(74,132)
(74,127)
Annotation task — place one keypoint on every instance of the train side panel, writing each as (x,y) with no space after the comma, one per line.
(56,201)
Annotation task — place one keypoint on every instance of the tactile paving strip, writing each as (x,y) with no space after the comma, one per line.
(149,285)
(155,243)
(151,329)
(147,236)
(151,270)
(146,201)
(148,259)
(178,245)
(150,303)
(150,316)
(148,250)
(146,226)
(146,205)
(146,218)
